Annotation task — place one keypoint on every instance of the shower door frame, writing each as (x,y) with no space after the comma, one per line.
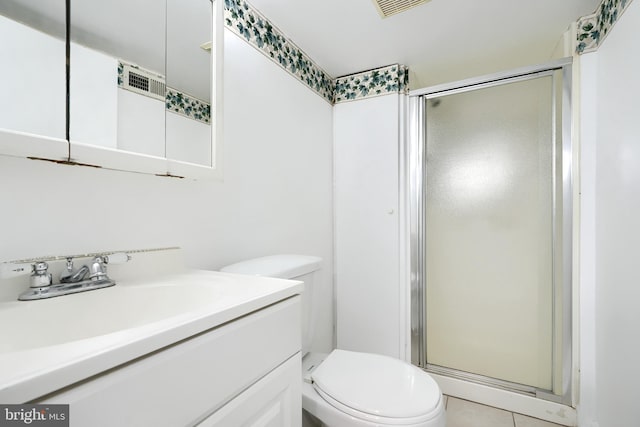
(415,164)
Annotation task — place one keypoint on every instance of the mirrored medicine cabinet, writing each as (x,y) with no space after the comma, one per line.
(140,93)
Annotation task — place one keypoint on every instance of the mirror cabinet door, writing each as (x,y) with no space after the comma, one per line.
(141,83)
(33,79)
(117,90)
(189,82)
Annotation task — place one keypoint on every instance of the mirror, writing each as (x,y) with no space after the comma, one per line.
(143,80)
(189,88)
(141,75)
(117,75)
(32,48)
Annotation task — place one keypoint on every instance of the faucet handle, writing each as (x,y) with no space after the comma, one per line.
(117,258)
(99,264)
(98,268)
(41,276)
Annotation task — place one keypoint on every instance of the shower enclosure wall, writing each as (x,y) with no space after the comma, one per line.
(491,230)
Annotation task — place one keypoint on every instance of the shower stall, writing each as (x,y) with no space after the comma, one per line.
(489,165)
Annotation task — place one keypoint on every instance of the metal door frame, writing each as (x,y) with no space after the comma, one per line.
(416,168)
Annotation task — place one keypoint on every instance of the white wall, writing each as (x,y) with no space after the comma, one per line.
(276,196)
(615,369)
(366,140)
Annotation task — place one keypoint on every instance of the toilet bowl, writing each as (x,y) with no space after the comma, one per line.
(346,388)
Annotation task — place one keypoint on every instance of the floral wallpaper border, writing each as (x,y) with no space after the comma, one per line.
(180,103)
(246,22)
(592,29)
(381,81)
(120,73)
(251,25)
(188,106)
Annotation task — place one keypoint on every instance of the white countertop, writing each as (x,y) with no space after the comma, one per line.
(197,301)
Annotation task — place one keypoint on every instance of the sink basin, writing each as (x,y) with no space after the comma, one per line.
(52,343)
(42,323)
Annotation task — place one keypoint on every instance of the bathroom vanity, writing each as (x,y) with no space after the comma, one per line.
(186,348)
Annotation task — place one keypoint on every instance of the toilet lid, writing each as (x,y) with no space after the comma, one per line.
(376,385)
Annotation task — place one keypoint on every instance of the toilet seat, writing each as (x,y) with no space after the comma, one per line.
(377,388)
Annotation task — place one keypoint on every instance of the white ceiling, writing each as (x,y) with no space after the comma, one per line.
(442,40)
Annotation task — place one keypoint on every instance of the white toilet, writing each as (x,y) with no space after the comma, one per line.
(346,388)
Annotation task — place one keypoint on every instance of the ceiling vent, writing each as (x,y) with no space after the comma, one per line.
(143,82)
(387,8)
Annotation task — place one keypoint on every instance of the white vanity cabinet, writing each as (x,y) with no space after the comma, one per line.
(274,401)
(243,372)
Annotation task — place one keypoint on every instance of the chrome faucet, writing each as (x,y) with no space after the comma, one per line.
(99,268)
(70,276)
(71,281)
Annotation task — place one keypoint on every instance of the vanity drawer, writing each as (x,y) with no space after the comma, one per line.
(182,384)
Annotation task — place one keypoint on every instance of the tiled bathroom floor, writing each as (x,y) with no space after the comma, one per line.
(462,413)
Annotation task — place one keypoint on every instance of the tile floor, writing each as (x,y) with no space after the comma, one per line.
(462,413)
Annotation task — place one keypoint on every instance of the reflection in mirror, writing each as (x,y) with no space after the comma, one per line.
(141,77)
(32,75)
(117,93)
(189,70)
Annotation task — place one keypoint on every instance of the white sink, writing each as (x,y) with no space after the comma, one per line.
(52,343)
(31,324)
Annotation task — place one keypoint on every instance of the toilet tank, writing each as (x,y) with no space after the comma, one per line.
(292,267)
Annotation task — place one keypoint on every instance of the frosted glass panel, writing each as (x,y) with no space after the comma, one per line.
(489,269)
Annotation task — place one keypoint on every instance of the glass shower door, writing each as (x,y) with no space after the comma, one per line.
(490,220)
